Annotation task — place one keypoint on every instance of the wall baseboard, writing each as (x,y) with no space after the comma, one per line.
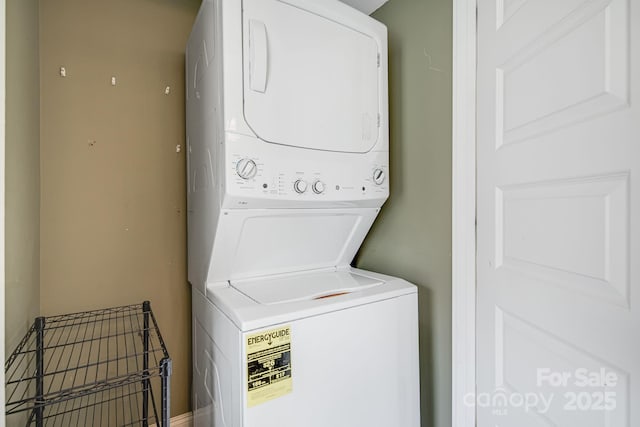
(183,420)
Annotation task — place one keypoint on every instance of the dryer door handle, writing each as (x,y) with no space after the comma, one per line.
(258,56)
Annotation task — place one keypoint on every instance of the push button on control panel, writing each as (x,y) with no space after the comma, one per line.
(318,187)
(300,186)
(246,168)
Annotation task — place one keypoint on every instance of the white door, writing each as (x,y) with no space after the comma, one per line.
(310,81)
(558,309)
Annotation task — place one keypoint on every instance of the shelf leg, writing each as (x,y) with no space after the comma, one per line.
(146,308)
(39,409)
(165,373)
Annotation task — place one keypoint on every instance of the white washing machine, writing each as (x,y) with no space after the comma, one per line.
(347,361)
(287,135)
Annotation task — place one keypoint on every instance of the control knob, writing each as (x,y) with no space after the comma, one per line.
(246,168)
(318,187)
(300,186)
(378,176)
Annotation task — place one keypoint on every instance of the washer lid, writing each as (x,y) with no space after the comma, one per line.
(304,287)
(248,314)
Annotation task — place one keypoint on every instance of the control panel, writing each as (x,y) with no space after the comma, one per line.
(263,175)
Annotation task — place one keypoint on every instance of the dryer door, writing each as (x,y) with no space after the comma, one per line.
(309,81)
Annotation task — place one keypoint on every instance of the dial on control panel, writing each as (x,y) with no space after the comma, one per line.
(378,176)
(318,187)
(300,186)
(246,168)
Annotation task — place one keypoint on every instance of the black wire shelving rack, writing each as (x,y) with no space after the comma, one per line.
(95,368)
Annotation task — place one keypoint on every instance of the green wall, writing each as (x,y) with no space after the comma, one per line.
(412,236)
(22,176)
(22,171)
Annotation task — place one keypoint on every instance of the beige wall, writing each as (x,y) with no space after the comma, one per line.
(22,174)
(412,236)
(113,220)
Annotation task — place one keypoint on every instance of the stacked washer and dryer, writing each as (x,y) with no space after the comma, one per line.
(287,135)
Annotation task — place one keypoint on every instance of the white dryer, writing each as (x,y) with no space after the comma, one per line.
(287,135)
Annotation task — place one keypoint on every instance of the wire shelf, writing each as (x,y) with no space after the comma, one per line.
(96,368)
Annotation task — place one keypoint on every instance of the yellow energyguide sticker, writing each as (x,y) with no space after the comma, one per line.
(268,365)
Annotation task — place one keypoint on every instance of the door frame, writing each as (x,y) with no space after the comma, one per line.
(463,267)
(3,26)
